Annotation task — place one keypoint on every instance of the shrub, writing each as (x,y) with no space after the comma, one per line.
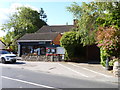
(72,45)
(108,40)
(103,57)
(111,63)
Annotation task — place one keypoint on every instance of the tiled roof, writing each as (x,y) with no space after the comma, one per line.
(55,28)
(46,33)
(39,36)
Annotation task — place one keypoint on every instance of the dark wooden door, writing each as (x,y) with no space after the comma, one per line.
(93,54)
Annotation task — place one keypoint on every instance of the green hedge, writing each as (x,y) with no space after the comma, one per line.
(74,50)
(103,57)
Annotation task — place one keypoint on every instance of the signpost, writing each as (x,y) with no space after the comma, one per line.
(60,51)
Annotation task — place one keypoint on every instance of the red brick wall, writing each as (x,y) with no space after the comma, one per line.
(56,41)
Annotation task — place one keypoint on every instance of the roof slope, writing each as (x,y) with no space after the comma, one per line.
(39,36)
(57,28)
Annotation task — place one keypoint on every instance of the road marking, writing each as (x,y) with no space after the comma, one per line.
(91,70)
(28,82)
(73,64)
(20,87)
(97,72)
(73,70)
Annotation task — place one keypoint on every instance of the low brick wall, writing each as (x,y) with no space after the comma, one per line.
(40,58)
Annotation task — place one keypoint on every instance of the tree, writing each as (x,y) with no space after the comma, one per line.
(43,14)
(111,18)
(10,41)
(89,14)
(24,20)
(99,20)
(86,16)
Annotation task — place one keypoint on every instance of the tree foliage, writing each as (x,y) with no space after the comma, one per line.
(108,38)
(43,15)
(98,22)
(10,41)
(24,20)
(108,33)
(91,15)
(112,17)
(69,38)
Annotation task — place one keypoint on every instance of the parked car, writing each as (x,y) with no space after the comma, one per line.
(6,56)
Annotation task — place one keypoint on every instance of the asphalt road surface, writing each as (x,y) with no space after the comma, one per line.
(21,78)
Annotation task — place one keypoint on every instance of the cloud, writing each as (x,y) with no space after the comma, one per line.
(14,6)
(6,12)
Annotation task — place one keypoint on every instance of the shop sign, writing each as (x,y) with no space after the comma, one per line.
(60,50)
(42,42)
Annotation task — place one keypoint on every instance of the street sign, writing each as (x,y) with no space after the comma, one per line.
(60,50)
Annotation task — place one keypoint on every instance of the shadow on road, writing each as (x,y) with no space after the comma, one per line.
(94,62)
(16,63)
(20,63)
(87,62)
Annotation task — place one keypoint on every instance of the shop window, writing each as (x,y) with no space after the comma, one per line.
(43,50)
(35,50)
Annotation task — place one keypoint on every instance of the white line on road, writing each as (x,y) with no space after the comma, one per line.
(97,72)
(73,64)
(73,70)
(27,82)
(91,70)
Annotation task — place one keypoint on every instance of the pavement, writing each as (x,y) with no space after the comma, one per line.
(93,72)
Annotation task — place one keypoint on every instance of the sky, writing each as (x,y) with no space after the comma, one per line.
(55,10)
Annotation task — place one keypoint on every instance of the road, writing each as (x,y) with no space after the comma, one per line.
(22,78)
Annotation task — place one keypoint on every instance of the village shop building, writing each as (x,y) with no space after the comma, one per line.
(46,40)
(37,43)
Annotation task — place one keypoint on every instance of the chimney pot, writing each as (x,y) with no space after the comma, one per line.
(75,21)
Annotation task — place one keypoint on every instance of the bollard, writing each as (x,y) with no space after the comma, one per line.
(107,64)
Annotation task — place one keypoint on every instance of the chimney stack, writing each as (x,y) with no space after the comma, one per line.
(75,21)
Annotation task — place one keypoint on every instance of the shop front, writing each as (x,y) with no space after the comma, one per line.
(34,48)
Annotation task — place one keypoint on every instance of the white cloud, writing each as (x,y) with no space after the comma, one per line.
(16,5)
(6,12)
